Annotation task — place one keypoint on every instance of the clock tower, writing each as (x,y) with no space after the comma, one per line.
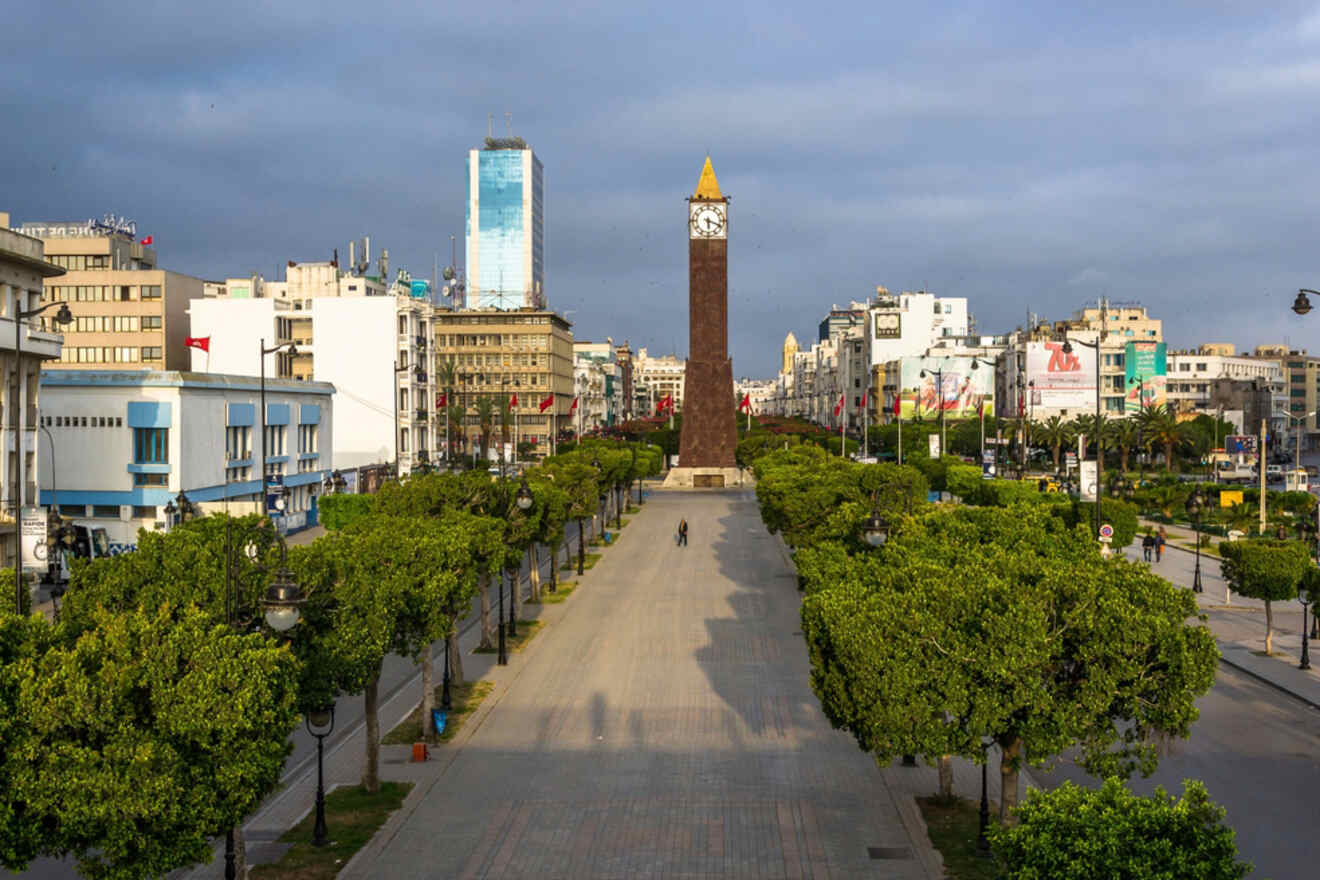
(710,435)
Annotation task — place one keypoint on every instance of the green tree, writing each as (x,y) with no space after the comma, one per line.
(142,738)
(1265,570)
(1004,623)
(1112,834)
(578,480)
(1055,433)
(486,417)
(339,510)
(1159,425)
(1122,437)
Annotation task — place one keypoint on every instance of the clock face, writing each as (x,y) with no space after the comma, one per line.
(707,220)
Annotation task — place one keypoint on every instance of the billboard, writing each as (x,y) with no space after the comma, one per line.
(888,325)
(1146,376)
(1062,381)
(965,393)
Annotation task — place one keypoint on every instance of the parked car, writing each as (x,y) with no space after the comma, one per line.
(1274,473)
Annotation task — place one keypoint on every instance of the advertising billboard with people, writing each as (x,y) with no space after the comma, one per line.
(1145,376)
(950,384)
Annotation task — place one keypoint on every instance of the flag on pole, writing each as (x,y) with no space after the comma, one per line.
(573,406)
(547,403)
(513,401)
(898,404)
(202,342)
(746,404)
(441,400)
(148,240)
(838,407)
(862,405)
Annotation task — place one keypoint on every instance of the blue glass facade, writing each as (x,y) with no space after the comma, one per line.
(505,240)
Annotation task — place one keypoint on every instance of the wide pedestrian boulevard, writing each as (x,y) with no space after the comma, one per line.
(661,726)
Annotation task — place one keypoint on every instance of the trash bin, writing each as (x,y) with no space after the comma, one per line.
(605,536)
(438,718)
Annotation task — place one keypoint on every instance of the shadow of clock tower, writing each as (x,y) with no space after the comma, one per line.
(710,435)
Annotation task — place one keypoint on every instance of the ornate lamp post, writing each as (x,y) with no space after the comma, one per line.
(1194,505)
(1306,596)
(320,723)
(523,500)
(939,402)
(280,608)
(875,531)
(1301,305)
(62,317)
(1099,431)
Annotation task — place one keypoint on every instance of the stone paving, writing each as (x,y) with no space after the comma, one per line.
(661,726)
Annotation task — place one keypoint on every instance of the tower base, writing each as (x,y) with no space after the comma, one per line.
(710,434)
(704,478)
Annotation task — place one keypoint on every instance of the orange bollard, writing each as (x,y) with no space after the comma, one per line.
(420,752)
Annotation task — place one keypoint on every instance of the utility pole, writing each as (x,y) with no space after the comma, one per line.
(1260,457)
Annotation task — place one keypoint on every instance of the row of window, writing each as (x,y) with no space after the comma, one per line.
(106,511)
(515,341)
(101,292)
(114,323)
(504,318)
(110,354)
(80,262)
(83,421)
(505,359)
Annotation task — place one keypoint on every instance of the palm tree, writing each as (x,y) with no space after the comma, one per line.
(1055,433)
(447,373)
(506,424)
(1159,425)
(486,419)
(1091,426)
(1122,435)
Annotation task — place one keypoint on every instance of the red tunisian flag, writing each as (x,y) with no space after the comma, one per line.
(838,407)
(547,403)
(746,404)
(202,342)
(573,407)
(441,400)
(862,405)
(666,403)
(898,404)
(513,401)
(150,239)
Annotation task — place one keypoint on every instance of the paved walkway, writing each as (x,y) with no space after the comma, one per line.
(662,725)
(1238,623)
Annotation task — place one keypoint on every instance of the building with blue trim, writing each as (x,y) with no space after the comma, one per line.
(121,445)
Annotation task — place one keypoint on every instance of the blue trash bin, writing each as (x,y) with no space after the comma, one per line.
(438,718)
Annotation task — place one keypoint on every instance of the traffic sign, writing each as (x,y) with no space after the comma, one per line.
(1106,531)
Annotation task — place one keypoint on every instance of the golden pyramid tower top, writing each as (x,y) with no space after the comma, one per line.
(708,187)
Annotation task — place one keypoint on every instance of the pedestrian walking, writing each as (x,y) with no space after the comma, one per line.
(1147,545)
(1159,543)
(682,533)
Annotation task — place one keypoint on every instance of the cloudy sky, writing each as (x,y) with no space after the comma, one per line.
(1023,155)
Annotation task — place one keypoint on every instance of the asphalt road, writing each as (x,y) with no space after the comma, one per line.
(1258,753)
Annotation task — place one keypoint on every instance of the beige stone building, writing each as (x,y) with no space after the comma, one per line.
(129,314)
(25,347)
(497,353)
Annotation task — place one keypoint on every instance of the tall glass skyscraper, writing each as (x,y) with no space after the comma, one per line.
(505,227)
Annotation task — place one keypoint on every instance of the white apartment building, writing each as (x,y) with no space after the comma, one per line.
(597,386)
(1192,374)
(656,378)
(123,444)
(908,323)
(374,347)
(24,347)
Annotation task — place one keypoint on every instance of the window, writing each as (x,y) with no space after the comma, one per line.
(151,479)
(151,322)
(151,352)
(151,446)
(72,510)
(275,440)
(151,291)
(307,438)
(238,442)
(141,512)
(105,511)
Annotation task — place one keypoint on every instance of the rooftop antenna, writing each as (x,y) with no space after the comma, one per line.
(490,125)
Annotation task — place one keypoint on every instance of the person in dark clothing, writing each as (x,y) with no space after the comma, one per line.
(682,533)
(1160,537)
(1147,545)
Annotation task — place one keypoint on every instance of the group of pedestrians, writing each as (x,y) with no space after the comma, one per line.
(1153,542)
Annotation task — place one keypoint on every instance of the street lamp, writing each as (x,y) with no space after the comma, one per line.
(1305,595)
(280,605)
(62,317)
(522,499)
(320,723)
(293,351)
(1099,430)
(939,402)
(1301,305)
(1194,505)
(875,530)
(976,362)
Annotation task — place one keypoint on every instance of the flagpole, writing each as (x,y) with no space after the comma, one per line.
(898,404)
